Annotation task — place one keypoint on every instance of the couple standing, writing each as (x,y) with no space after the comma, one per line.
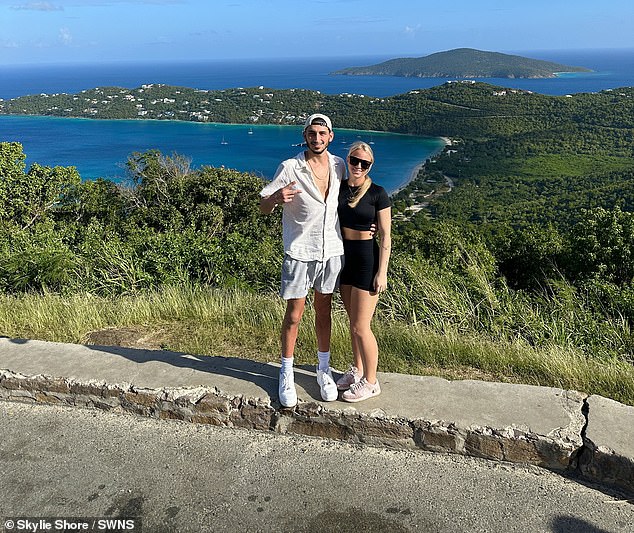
(328,226)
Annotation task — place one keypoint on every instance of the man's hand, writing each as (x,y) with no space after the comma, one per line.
(281,196)
(286,194)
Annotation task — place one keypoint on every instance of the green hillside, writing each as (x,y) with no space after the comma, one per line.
(518,157)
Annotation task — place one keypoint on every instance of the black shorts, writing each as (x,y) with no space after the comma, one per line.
(361,264)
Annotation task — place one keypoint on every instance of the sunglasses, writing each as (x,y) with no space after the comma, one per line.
(354,161)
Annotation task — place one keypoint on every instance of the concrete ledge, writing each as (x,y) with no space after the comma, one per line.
(556,429)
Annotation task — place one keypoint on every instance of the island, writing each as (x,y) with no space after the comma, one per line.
(463,63)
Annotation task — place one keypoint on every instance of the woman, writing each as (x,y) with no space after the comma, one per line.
(364,275)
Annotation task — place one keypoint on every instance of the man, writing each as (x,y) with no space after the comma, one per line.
(307,188)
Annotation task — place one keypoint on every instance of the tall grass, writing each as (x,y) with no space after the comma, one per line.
(476,303)
(446,333)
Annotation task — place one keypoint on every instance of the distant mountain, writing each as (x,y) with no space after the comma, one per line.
(463,63)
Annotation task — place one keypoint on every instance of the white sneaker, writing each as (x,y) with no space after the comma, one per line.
(348,379)
(327,385)
(286,389)
(361,391)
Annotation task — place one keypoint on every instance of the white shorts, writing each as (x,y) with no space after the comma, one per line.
(299,276)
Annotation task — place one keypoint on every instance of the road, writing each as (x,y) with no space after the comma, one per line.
(59,462)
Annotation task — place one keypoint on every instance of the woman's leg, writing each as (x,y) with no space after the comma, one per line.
(322,304)
(361,310)
(346,295)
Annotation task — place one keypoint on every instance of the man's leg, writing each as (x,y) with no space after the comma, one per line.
(290,325)
(290,328)
(327,386)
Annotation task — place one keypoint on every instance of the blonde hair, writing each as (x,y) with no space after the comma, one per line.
(356,197)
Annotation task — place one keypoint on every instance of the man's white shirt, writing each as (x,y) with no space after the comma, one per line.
(310,224)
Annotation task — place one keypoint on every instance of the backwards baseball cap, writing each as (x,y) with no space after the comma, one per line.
(319,119)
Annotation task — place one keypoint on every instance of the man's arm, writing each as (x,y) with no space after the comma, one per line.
(281,196)
(267,204)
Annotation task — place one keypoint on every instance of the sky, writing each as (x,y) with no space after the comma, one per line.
(89,31)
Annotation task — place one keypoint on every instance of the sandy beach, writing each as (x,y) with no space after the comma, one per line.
(417,168)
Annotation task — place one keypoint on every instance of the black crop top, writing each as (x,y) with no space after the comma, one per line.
(364,214)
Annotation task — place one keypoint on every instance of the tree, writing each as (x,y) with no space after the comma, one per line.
(602,246)
(28,198)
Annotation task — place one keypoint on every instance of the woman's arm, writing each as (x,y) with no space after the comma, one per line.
(384,219)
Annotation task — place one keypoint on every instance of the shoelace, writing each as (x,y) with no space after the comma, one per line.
(326,379)
(286,382)
(355,387)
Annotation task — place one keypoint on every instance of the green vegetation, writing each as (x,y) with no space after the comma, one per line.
(464,63)
(523,272)
(238,323)
(173,226)
(470,110)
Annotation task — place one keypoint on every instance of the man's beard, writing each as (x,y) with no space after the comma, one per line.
(321,150)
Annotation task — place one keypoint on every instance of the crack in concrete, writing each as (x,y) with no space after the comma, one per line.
(576,457)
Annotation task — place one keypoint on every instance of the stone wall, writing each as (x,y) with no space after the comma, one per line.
(578,451)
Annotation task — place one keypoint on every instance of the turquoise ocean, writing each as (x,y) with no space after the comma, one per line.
(99,148)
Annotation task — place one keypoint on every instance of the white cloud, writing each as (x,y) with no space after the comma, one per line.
(38,6)
(65,36)
(412,30)
(59,5)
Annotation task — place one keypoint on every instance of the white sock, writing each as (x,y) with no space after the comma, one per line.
(324,360)
(287,365)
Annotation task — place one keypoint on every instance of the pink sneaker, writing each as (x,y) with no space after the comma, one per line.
(350,377)
(361,391)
